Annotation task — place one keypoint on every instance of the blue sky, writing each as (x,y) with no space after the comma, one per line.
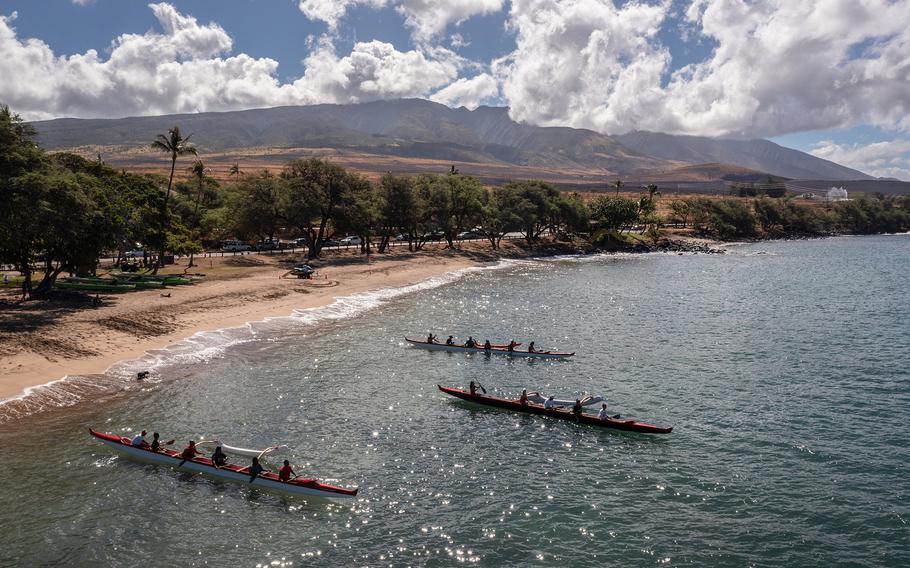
(825,76)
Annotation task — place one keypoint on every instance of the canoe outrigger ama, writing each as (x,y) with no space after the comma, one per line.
(310,487)
(559,413)
(421,344)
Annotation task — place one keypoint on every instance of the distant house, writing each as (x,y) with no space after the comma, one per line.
(837,194)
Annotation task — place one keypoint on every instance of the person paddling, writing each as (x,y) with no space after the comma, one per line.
(189,452)
(450,340)
(603,412)
(470,342)
(431,338)
(511,346)
(139,440)
(286,471)
(531,348)
(550,403)
(487,345)
(472,386)
(523,399)
(156,443)
(256,469)
(576,409)
(219,459)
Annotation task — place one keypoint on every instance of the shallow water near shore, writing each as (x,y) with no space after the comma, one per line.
(784,368)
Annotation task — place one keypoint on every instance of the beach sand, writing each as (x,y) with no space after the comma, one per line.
(45,341)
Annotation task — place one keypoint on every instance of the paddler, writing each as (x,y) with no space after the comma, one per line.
(431,338)
(511,346)
(523,399)
(603,412)
(576,408)
(156,443)
(470,342)
(531,347)
(472,386)
(450,340)
(550,403)
(219,459)
(139,440)
(255,469)
(487,345)
(189,452)
(286,471)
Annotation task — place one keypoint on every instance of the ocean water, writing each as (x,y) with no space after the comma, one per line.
(784,368)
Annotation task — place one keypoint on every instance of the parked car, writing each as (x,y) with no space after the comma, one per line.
(266,245)
(136,253)
(351,240)
(402,237)
(330,243)
(468,235)
(235,246)
(434,235)
(302,242)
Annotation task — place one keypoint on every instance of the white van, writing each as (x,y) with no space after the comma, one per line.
(234,246)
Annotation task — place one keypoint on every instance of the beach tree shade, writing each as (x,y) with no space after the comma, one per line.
(176,145)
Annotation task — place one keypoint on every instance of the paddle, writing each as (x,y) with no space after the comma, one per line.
(481,388)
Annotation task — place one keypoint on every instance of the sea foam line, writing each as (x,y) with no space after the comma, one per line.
(206,345)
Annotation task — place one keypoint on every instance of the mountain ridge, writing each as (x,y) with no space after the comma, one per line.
(418,128)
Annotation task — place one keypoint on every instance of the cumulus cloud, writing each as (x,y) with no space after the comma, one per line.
(469,93)
(430,18)
(374,70)
(426,18)
(187,68)
(881,159)
(332,11)
(779,66)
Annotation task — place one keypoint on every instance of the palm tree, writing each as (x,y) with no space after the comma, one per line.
(618,185)
(176,145)
(198,170)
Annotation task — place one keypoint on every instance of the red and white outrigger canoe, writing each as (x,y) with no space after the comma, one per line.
(310,487)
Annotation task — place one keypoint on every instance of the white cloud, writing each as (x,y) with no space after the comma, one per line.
(185,68)
(374,70)
(82,2)
(427,19)
(469,93)
(430,18)
(779,66)
(881,159)
(332,11)
(583,63)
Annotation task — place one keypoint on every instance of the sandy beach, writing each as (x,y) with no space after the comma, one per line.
(48,341)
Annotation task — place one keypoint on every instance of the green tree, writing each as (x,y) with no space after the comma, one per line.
(315,190)
(399,209)
(175,144)
(681,211)
(453,202)
(613,213)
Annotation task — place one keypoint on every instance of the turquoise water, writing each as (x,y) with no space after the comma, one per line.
(782,366)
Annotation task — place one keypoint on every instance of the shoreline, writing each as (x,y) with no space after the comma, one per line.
(91,341)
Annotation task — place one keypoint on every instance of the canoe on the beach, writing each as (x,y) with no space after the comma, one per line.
(495,350)
(94,287)
(310,487)
(561,414)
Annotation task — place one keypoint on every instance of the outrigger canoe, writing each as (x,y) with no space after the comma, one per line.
(562,414)
(495,350)
(310,487)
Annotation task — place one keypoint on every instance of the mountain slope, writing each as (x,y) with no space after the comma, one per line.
(417,128)
(761,155)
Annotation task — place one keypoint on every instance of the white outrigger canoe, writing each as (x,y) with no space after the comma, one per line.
(310,487)
(419,343)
